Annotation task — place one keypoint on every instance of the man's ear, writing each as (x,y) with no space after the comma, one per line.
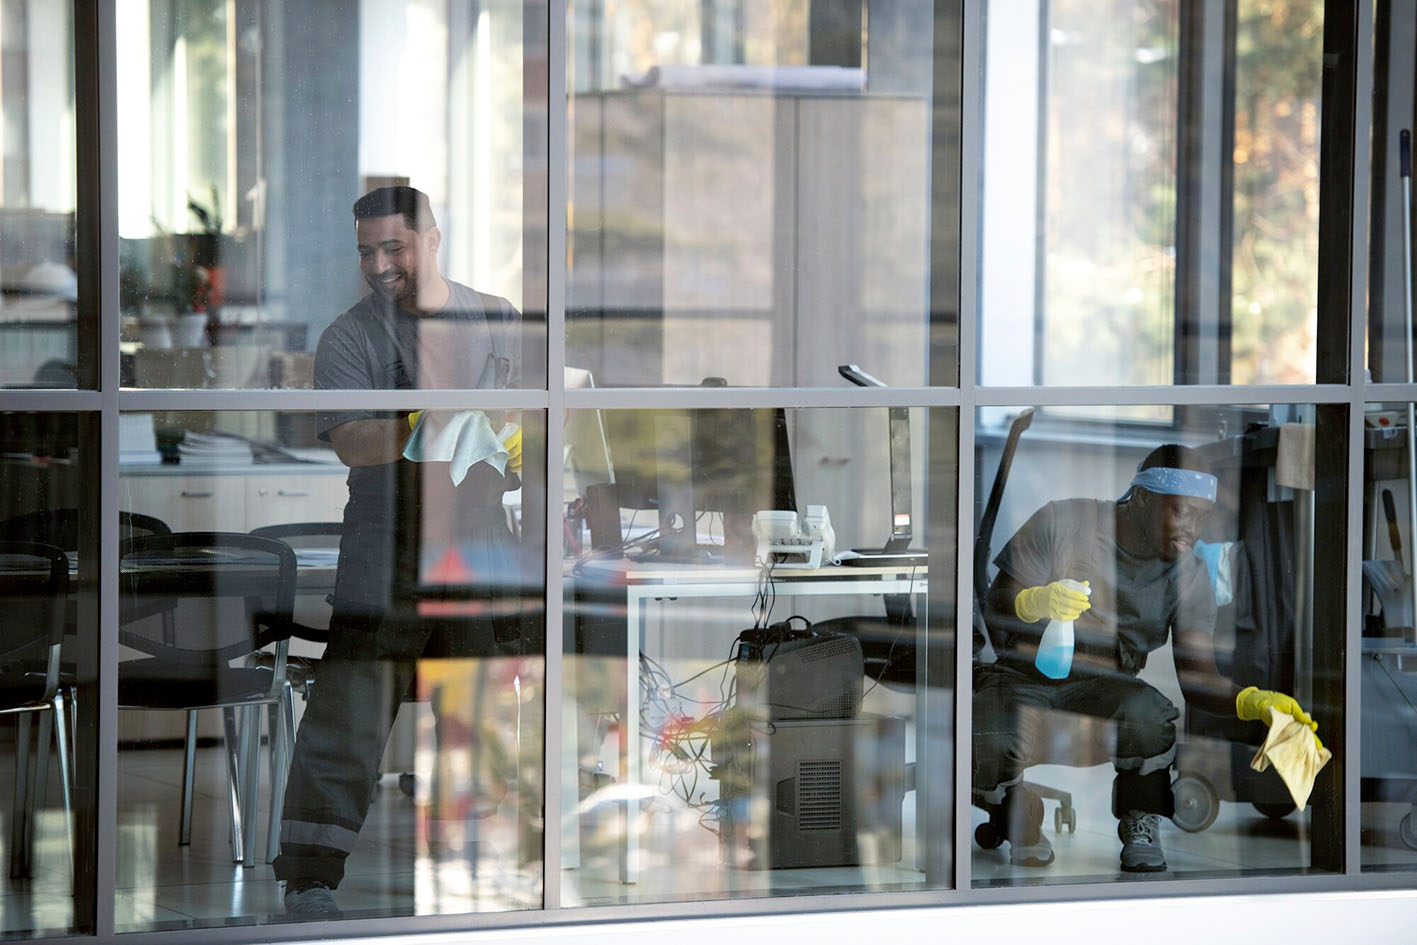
(432,239)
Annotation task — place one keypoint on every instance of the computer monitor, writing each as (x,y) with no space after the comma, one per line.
(684,464)
(899,426)
(587,454)
(898,438)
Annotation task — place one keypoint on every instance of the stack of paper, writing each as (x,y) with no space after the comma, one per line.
(205,449)
(137,442)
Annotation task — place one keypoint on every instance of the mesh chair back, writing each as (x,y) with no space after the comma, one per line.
(34,589)
(204,597)
(60,527)
(322,536)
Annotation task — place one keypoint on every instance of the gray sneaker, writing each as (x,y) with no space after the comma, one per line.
(316,902)
(1141,842)
(1027,845)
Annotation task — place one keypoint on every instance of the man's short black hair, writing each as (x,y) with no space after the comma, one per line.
(1174,456)
(408,202)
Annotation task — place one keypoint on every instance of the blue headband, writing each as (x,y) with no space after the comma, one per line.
(1165,480)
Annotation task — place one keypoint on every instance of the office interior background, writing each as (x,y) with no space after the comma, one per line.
(1049,235)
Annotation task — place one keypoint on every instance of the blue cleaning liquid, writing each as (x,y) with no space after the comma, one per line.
(1055,650)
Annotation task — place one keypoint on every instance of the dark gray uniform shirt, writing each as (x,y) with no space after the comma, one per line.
(1136,602)
(473,343)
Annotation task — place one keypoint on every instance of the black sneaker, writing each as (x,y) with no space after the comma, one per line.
(1141,842)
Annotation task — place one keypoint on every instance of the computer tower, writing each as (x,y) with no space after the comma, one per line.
(810,792)
(783,672)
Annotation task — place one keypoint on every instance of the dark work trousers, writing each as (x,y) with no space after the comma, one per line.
(1023,718)
(366,672)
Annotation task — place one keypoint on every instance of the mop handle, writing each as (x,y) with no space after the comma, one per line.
(1404,153)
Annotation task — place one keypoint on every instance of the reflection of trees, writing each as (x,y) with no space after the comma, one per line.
(1111,191)
(1275,259)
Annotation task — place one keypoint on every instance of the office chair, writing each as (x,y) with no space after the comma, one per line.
(34,590)
(60,527)
(313,627)
(888,643)
(195,602)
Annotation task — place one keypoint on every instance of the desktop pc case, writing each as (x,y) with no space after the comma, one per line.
(783,672)
(810,792)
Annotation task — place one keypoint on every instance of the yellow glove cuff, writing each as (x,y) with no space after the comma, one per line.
(513,445)
(1031,604)
(1241,699)
(413,418)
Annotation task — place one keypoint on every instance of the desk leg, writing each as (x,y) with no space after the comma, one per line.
(630,735)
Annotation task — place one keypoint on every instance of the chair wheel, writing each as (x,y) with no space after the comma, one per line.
(987,837)
(1197,804)
(1408,830)
(1065,816)
(406,784)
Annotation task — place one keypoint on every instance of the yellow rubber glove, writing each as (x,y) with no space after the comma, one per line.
(1055,601)
(1252,704)
(513,444)
(413,418)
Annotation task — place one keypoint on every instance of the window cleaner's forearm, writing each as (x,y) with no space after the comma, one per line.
(370,442)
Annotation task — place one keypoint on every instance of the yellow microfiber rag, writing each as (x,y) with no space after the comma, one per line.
(1290,746)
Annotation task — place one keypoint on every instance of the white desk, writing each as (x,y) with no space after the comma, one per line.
(645,581)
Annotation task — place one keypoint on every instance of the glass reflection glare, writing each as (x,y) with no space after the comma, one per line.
(746,688)
(1133,753)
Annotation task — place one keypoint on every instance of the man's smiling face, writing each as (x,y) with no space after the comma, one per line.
(395,259)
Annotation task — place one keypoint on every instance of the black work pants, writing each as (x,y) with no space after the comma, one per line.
(1021,719)
(366,672)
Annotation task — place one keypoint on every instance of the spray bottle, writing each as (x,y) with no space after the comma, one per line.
(1055,650)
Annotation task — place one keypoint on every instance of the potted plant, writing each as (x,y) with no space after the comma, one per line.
(203,262)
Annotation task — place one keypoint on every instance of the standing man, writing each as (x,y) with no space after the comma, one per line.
(415,330)
(1144,586)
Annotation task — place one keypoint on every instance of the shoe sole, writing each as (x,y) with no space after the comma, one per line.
(1144,869)
(1030,861)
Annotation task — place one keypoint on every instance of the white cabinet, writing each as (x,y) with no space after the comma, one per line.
(236,500)
(187,503)
(278,500)
(763,238)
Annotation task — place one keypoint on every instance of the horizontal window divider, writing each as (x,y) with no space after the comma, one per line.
(1240,882)
(307,400)
(50,400)
(1375,393)
(1165,396)
(607,398)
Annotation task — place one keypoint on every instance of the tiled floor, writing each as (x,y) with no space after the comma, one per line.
(161,884)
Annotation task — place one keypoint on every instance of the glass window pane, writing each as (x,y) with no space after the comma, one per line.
(48,692)
(39,284)
(246,133)
(414,663)
(778,610)
(1389,686)
(750,193)
(1150,196)
(1278,87)
(1123,741)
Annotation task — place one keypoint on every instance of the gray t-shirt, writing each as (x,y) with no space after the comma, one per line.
(1136,602)
(472,343)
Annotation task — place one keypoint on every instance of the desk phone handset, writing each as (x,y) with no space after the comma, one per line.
(786,542)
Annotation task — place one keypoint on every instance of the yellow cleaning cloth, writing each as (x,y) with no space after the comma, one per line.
(1290,746)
